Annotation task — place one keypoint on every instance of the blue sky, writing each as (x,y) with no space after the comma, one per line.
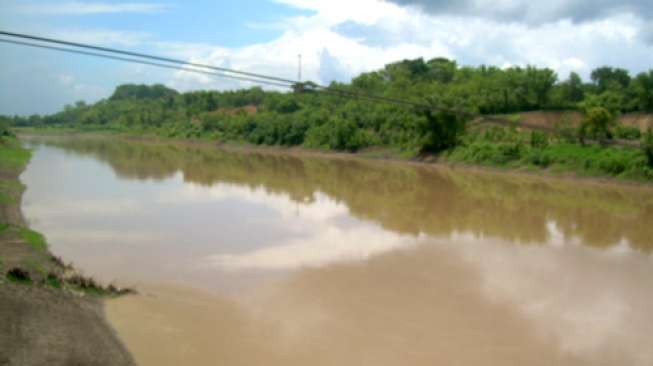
(337,38)
(229,24)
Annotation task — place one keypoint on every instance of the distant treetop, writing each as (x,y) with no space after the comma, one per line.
(135,91)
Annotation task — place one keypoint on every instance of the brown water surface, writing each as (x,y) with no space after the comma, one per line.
(252,258)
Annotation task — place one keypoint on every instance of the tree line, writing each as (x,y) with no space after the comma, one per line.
(318,120)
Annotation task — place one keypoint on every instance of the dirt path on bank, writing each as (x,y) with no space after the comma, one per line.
(41,323)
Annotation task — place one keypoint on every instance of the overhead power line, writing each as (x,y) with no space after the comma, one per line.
(224,72)
(143,55)
(227,73)
(149,63)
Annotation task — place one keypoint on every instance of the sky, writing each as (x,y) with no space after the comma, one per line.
(338,39)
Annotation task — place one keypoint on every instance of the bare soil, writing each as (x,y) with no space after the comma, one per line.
(549,119)
(46,326)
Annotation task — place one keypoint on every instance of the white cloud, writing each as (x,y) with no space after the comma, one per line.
(534,12)
(88,8)
(326,246)
(344,38)
(580,296)
(318,235)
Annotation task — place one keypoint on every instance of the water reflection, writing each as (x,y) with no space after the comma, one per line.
(340,261)
(403,199)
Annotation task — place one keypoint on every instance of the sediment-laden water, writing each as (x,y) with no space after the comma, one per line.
(254,258)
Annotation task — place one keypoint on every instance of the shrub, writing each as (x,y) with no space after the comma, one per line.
(647,145)
(539,139)
(439,131)
(510,152)
(338,134)
(539,158)
(53,280)
(19,275)
(628,132)
(598,123)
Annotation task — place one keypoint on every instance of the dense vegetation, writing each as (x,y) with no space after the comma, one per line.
(318,120)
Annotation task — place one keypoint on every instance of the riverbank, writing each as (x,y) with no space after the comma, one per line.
(510,153)
(50,314)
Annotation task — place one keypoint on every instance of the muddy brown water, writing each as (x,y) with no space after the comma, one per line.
(252,258)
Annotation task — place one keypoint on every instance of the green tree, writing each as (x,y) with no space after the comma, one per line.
(441,70)
(608,78)
(641,88)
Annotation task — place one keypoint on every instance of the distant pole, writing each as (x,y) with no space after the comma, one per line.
(299,67)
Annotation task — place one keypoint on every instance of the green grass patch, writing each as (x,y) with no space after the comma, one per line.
(12,155)
(10,191)
(34,239)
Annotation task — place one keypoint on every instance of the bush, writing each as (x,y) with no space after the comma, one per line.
(511,151)
(338,134)
(19,275)
(598,123)
(647,145)
(539,139)
(628,132)
(5,131)
(539,158)
(439,131)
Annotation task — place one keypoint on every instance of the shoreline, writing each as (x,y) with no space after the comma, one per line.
(375,154)
(51,314)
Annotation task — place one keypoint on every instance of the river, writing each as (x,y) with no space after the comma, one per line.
(252,258)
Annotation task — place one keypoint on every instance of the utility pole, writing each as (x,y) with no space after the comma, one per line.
(299,67)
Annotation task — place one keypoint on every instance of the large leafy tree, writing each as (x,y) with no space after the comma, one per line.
(641,88)
(608,78)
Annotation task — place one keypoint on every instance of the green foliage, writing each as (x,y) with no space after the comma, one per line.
(339,134)
(627,132)
(441,70)
(5,124)
(565,131)
(613,101)
(598,123)
(134,91)
(53,281)
(338,122)
(569,93)
(439,131)
(18,275)
(12,155)
(647,144)
(34,239)
(507,149)
(539,139)
(610,78)
(641,89)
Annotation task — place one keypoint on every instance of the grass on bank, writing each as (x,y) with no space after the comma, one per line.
(510,148)
(502,147)
(13,156)
(13,159)
(34,239)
